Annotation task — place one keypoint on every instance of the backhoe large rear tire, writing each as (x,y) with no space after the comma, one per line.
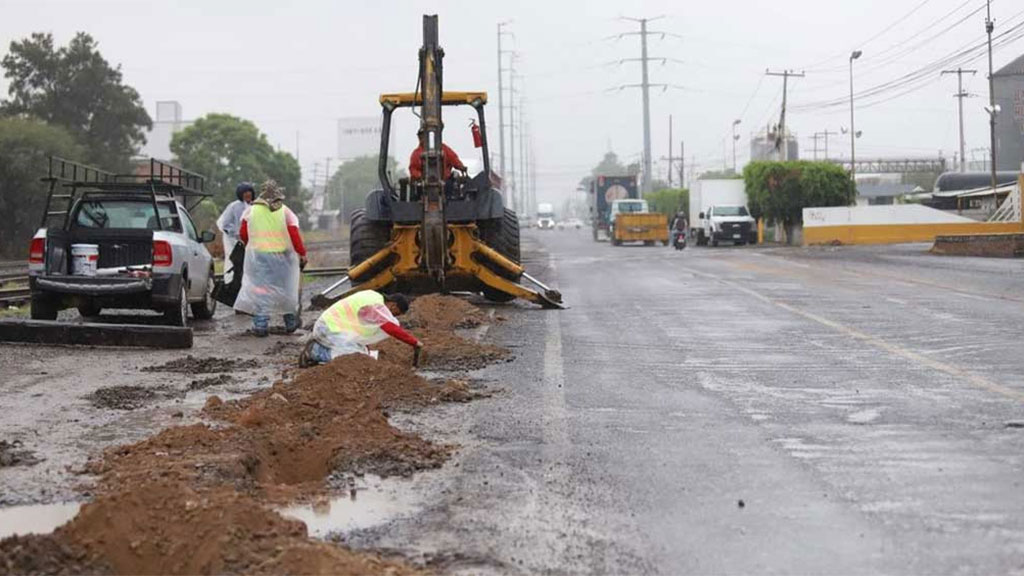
(503,236)
(366,237)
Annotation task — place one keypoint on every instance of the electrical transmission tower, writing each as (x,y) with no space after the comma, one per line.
(501,97)
(960,95)
(645,87)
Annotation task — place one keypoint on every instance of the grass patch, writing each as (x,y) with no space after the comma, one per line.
(14,312)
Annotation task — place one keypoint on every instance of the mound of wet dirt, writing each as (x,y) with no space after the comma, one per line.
(192,365)
(45,555)
(203,383)
(165,527)
(13,454)
(443,351)
(441,312)
(127,397)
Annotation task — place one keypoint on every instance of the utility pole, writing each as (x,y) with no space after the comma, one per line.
(523,192)
(647,108)
(512,132)
(960,95)
(327,182)
(990,26)
(785,74)
(669,150)
(501,100)
(826,134)
(815,138)
(682,164)
(853,132)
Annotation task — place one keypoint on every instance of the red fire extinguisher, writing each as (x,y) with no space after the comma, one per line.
(478,139)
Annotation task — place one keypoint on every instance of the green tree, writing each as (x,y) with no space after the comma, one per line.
(668,201)
(779,191)
(228,150)
(720,175)
(25,145)
(76,88)
(354,180)
(609,166)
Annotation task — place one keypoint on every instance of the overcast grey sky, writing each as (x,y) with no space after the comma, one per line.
(296,67)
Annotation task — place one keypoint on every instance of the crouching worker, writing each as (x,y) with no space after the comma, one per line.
(274,257)
(353,323)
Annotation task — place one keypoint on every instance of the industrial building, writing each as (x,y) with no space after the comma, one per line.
(1009,91)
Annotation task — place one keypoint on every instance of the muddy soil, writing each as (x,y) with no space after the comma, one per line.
(129,397)
(211,365)
(13,454)
(195,499)
(439,312)
(443,351)
(204,383)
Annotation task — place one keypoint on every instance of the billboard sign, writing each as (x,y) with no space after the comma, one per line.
(358,136)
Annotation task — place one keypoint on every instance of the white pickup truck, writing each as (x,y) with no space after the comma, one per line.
(727,224)
(144,252)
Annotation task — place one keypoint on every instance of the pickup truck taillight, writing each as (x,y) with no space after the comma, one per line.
(162,255)
(37,251)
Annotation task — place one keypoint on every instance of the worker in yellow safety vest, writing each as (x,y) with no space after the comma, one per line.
(355,322)
(274,257)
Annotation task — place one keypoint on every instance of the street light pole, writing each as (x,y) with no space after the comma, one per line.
(735,137)
(853,131)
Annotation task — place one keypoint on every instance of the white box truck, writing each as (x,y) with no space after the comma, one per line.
(718,213)
(545,216)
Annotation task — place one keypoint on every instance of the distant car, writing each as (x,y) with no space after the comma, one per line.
(574,223)
(560,225)
(142,252)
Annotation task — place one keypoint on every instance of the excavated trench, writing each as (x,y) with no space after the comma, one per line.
(203,498)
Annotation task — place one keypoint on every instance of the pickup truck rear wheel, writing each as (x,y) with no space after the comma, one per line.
(89,310)
(204,310)
(177,314)
(43,308)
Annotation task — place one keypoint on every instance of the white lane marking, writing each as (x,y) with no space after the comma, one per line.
(553,411)
(894,349)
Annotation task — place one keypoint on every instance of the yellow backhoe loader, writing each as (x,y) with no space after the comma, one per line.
(437,233)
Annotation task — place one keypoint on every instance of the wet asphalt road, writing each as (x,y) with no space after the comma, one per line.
(752,410)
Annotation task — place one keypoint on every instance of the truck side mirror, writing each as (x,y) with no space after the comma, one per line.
(207,236)
(701,216)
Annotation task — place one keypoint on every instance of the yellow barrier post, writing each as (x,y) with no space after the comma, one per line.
(760,231)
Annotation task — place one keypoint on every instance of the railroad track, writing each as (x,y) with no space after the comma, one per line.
(15,296)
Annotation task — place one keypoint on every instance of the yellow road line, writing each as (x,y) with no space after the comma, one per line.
(895,349)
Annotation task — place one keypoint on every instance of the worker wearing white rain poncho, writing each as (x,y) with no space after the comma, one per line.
(353,323)
(274,256)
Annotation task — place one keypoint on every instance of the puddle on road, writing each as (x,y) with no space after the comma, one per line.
(362,508)
(35,518)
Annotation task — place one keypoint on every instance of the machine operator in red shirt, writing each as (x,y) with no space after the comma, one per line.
(450,160)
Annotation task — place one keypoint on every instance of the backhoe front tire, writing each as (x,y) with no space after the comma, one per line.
(366,237)
(503,236)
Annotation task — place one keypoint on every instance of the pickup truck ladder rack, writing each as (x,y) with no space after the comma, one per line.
(68,179)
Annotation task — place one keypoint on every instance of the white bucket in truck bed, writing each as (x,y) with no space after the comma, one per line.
(84,259)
